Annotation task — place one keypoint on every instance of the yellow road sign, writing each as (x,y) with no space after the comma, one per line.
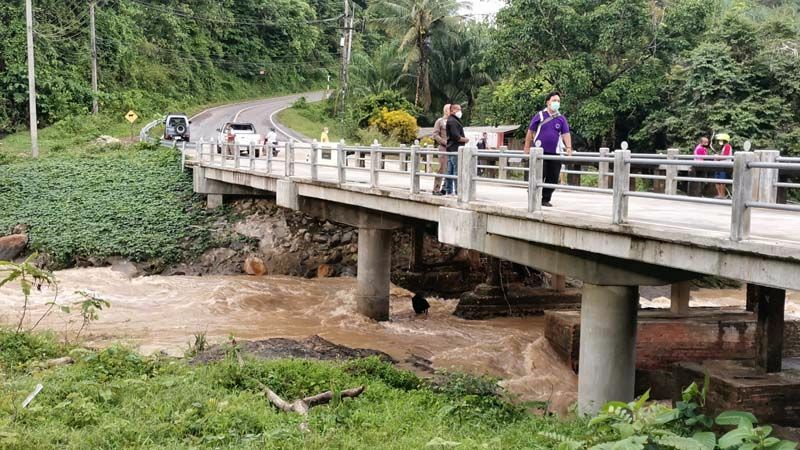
(131,116)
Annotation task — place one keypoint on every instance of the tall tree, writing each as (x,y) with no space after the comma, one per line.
(413,22)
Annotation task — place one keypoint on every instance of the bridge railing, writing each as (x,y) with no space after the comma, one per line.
(753,182)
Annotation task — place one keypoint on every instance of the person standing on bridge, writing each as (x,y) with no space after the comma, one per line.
(455,138)
(723,139)
(272,141)
(440,137)
(549,127)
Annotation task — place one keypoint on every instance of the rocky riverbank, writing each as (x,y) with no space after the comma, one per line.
(258,238)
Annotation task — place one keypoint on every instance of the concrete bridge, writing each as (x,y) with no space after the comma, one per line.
(610,236)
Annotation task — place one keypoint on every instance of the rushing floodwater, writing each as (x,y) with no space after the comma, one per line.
(162,314)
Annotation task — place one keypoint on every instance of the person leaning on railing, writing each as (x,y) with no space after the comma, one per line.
(440,137)
(549,127)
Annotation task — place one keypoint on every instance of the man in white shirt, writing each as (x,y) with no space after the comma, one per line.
(272,141)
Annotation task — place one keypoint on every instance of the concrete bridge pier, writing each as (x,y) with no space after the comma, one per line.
(374,271)
(607,358)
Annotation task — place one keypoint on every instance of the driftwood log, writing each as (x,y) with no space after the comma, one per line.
(301,406)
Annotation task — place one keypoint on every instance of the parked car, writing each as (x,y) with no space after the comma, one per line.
(176,127)
(237,135)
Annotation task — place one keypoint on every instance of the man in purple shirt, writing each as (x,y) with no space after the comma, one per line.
(549,127)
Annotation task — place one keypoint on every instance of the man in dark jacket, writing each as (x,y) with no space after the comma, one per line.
(455,139)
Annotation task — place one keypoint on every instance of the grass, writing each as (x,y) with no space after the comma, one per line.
(124,200)
(115,398)
(310,120)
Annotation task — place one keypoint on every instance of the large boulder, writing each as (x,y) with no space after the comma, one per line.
(11,246)
(254,265)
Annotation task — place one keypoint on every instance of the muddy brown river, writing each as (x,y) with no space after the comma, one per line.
(163,313)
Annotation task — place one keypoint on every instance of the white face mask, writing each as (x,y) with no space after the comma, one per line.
(459,114)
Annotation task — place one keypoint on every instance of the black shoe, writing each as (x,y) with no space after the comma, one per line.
(547,204)
(438,193)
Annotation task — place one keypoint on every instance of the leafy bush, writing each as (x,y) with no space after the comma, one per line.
(397,124)
(369,108)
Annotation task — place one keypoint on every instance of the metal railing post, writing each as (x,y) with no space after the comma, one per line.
(374,156)
(602,169)
(671,184)
(288,165)
(765,179)
(467,172)
(313,159)
(413,169)
(341,164)
(622,176)
(535,179)
(742,194)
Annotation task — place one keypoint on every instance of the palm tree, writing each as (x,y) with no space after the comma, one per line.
(413,22)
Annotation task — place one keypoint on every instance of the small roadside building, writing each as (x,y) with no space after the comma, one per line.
(496,137)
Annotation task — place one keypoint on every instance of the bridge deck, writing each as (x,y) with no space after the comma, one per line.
(713,221)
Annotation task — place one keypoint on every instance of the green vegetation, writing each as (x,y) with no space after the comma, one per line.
(132,201)
(116,398)
(656,73)
(159,56)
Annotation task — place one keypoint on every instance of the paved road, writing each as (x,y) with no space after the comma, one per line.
(259,112)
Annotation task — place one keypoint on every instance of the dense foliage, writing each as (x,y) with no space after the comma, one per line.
(160,55)
(656,73)
(114,200)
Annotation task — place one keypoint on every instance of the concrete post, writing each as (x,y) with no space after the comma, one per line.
(341,164)
(535,175)
(183,155)
(602,169)
(237,156)
(374,160)
(503,164)
(622,176)
(467,169)
(268,149)
(251,163)
(374,270)
(414,169)
(313,159)
(679,298)
(671,185)
(607,361)
(214,201)
(765,179)
(429,162)
(742,192)
(769,329)
(288,165)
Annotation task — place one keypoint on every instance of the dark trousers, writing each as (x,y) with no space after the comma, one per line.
(552,169)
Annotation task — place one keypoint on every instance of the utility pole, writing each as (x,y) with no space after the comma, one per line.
(347,35)
(94,57)
(31,81)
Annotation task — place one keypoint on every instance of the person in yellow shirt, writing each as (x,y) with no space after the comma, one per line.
(324,136)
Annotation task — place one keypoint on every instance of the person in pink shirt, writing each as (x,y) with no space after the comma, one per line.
(701,151)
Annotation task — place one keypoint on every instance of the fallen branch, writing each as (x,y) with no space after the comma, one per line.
(301,406)
(59,361)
